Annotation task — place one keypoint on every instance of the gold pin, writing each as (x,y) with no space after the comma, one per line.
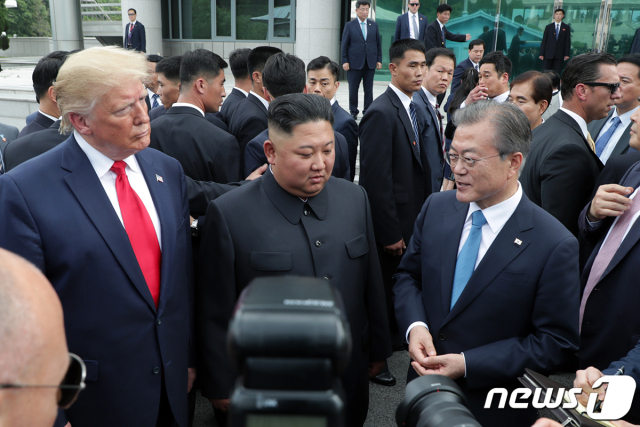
(518,242)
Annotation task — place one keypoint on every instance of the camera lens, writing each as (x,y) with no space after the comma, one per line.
(434,401)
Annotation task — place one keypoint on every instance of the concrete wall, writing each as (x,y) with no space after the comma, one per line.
(318,30)
(37,46)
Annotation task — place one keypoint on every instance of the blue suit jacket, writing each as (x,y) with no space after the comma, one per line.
(56,214)
(457,79)
(345,125)
(402,27)
(358,52)
(138,37)
(519,309)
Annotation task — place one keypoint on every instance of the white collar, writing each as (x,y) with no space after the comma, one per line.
(133,23)
(101,163)
(244,92)
(432,99)
(264,101)
(625,119)
(441,24)
(414,14)
(581,122)
(498,215)
(186,104)
(501,98)
(48,116)
(403,97)
(362,22)
(333,100)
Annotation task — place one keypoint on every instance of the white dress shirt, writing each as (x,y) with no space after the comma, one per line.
(412,33)
(244,92)
(264,101)
(581,122)
(406,101)
(365,27)
(432,100)
(48,116)
(102,165)
(333,100)
(186,104)
(625,119)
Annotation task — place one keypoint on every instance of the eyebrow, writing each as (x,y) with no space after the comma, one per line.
(311,147)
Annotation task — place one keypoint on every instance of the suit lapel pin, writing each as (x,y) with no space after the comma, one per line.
(159,178)
(517,242)
(3,138)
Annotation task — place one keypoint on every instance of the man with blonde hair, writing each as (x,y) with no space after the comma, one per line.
(107,222)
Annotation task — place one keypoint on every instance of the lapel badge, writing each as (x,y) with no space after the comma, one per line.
(414,143)
(159,178)
(3,138)
(517,242)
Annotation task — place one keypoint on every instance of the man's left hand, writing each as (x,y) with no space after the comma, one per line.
(191,377)
(449,365)
(566,57)
(378,65)
(375,368)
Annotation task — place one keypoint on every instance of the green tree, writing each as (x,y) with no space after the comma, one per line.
(29,19)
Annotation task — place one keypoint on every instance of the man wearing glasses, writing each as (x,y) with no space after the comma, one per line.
(412,24)
(562,169)
(489,283)
(37,373)
(134,34)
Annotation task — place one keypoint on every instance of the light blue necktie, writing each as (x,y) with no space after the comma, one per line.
(364,34)
(557,31)
(601,143)
(155,101)
(466,261)
(414,124)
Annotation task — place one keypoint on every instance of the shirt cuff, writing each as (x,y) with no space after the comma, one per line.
(465,364)
(462,105)
(413,325)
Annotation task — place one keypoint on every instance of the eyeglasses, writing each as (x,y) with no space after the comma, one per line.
(452,160)
(132,14)
(613,87)
(70,386)
(414,4)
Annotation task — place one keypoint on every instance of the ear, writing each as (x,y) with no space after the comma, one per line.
(543,106)
(200,84)
(256,76)
(305,89)
(581,91)
(516,163)
(52,93)
(337,85)
(266,94)
(393,68)
(80,123)
(270,151)
(504,78)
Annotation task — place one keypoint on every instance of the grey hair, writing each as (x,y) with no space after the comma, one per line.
(288,111)
(511,126)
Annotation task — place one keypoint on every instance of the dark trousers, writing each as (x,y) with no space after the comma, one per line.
(354,77)
(554,64)
(388,266)
(165,416)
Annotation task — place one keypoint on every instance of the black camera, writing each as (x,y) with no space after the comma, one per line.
(434,401)
(289,339)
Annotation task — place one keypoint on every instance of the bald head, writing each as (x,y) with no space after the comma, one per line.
(34,349)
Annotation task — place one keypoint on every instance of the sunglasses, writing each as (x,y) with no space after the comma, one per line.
(613,87)
(414,4)
(132,14)
(70,386)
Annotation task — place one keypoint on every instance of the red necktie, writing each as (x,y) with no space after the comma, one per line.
(139,228)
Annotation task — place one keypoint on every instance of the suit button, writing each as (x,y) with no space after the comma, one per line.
(156,370)
(442,337)
(318,243)
(441,162)
(439,179)
(326,278)
(158,321)
(306,212)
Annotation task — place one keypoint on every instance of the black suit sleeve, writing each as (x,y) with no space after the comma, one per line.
(455,37)
(379,45)
(345,44)
(200,193)
(226,166)
(431,36)
(143,39)
(543,43)
(396,36)
(567,44)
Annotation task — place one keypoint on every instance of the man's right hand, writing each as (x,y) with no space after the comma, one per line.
(345,66)
(584,380)
(541,57)
(220,404)
(609,200)
(478,93)
(396,249)
(257,173)
(420,346)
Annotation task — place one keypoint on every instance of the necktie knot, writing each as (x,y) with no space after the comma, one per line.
(478,219)
(118,167)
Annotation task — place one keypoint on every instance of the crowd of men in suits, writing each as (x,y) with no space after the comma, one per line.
(506,245)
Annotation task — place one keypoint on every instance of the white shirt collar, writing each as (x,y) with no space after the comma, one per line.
(403,97)
(264,101)
(432,99)
(581,122)
(48,116)
(498,215)
(361,22)
(186,104)
(133,23)
(333,100)
(501,98)
(101,163)
(475,64)
(412,14)
(441,24)
(244,92)
(625,119)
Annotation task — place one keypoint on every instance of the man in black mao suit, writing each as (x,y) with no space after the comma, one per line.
(250,117)
(435,31)
(242,83)
(394,168)
(134,34)
(610,282)
(205,152)
(323,228)
(361,55)
(322,79)
(562,168)
(489,284)
(555,47)
(408,23)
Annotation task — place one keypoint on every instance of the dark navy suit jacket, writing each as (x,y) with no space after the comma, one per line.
(431,139)
(254,156)
(433,36)
(345,125)
(230,104)
(138,37)
(519,309)
(358,52)
(550,48)
(56,214)
(160,111)
(41,122)
(402,27)
(249,120)
(32,145)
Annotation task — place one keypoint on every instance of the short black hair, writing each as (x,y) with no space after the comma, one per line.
(477,42)
(363,3)
(499,60)
(520,30)
(238,63)
(433,53)
(170,68)
(399,47)
(46,72)
(258,57)
(284,74)
(154,58)
(200,62)
(443,8)
(288,111)
(583,68)
(485,28)
(134,11)
(541,83)
(554,76)
(559,10)
(631,58)
(324,62)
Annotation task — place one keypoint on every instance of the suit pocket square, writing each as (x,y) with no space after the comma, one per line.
(358,246)
(271,261)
